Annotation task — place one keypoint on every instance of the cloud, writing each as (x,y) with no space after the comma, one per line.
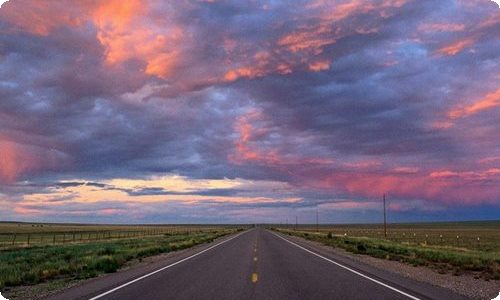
(490,101)
(290,105)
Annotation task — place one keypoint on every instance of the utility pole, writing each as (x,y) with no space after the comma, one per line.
(385,220)
(317,220)
(296,222)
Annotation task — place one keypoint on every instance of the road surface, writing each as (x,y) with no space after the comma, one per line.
(255,264)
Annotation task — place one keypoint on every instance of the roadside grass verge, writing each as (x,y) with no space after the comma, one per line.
(485,265)
(29,266)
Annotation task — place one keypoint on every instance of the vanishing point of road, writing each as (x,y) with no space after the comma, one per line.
(255,264)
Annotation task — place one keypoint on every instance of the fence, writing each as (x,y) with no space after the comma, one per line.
(52,238)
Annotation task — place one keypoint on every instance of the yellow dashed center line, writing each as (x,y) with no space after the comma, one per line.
(254,277)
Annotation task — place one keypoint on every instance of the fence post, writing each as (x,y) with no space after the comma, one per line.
(29,236)
(54,239)
(14,239)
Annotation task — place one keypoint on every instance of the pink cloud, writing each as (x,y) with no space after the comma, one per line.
(456,47)
(441,27)
(18,159)
(250,128)
(490,101)
(14,161)
(450,187)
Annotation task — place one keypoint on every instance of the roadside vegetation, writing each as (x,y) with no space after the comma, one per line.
(29,265)
(483,264)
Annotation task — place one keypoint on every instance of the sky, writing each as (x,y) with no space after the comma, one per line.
(128,111)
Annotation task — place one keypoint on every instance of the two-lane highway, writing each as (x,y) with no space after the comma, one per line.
(259,264)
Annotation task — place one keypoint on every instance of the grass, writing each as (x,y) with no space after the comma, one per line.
(37,264)
(444,259)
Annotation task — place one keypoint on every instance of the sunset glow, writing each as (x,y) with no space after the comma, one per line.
(249,111)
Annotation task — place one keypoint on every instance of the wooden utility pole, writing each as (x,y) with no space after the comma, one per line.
(317,220)
(385,220)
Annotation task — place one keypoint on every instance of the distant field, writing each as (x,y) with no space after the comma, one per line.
(14,234)
(451,234)
(446,247)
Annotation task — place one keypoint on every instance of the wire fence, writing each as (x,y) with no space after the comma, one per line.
(20,239)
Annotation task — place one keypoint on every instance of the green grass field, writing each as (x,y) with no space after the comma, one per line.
(109,248)
(429,244)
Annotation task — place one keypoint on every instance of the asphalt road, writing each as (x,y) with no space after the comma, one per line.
(256,264)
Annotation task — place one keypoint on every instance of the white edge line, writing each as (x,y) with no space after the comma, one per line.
(349,269)
(163,268)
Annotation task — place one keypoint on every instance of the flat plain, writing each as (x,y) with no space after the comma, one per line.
(55,255)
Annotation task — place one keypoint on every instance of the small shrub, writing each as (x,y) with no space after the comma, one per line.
(106,251)
(106,264)
(361,248)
